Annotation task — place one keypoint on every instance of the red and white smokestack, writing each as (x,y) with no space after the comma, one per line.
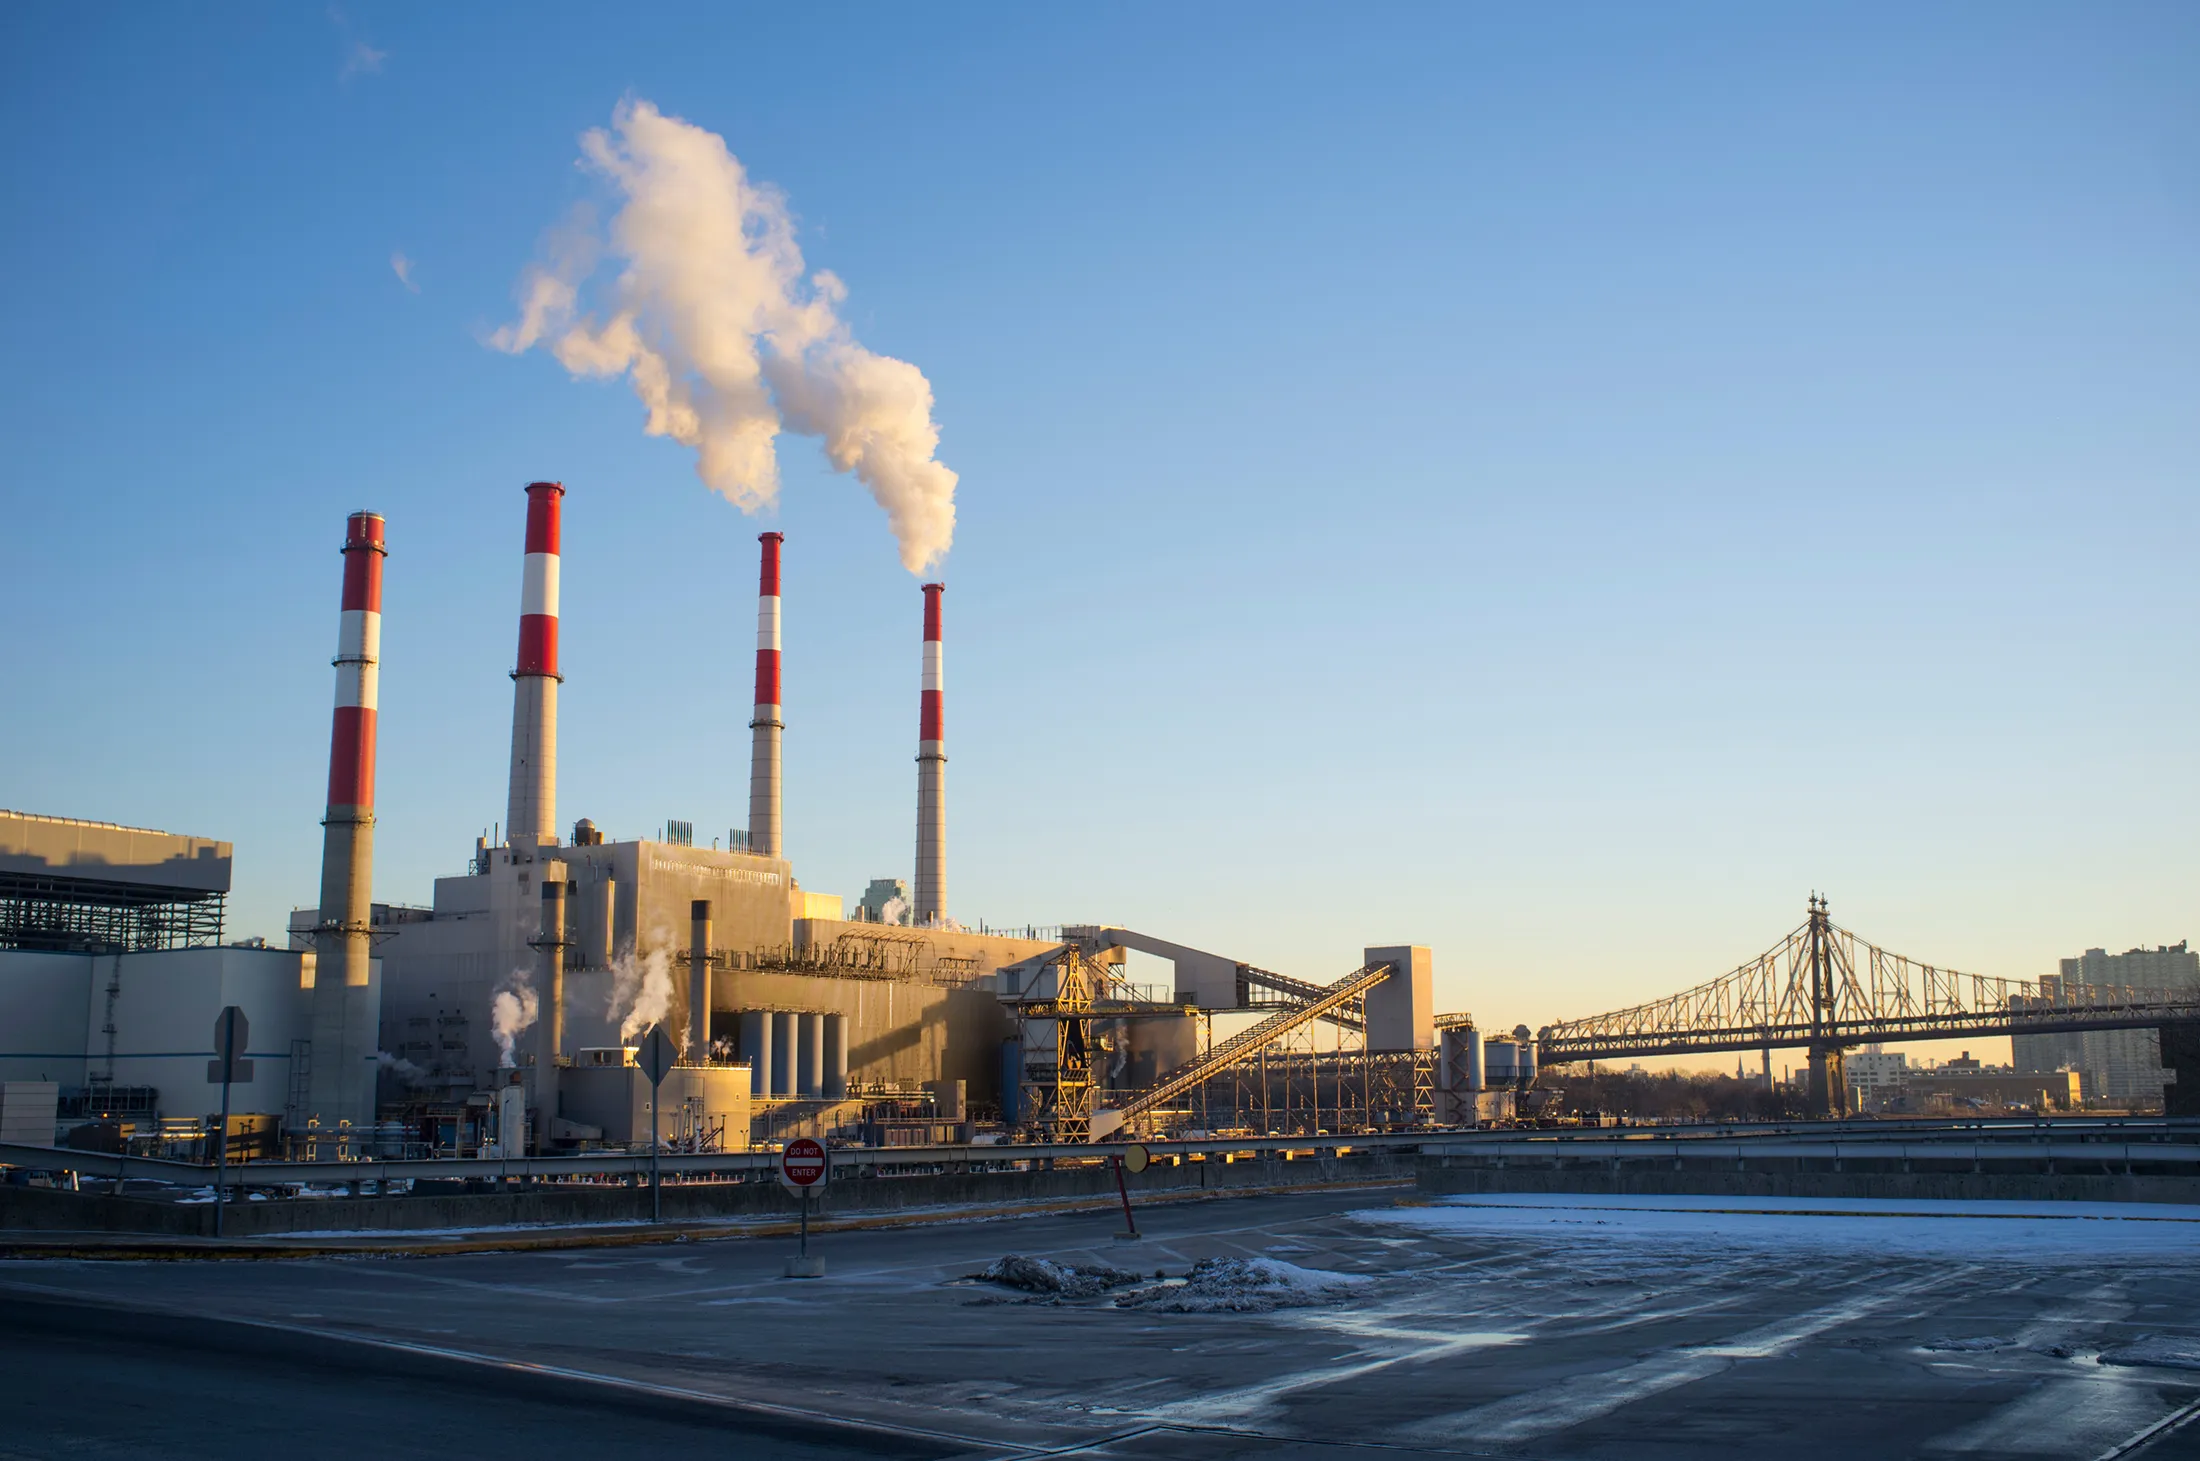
(345,1029)
(931,889)
(765,726)
(532,810)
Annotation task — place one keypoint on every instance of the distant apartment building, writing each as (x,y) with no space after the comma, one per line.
(2118,1065)
(1876,1077)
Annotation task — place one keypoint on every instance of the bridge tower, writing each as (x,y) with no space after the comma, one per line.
(1829,1078)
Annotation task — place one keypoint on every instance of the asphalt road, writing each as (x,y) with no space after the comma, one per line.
(1558,1332)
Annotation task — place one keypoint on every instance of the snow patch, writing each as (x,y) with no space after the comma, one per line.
(2165,1351)
(2058,1233)
(1055,1280)
(1244,1286)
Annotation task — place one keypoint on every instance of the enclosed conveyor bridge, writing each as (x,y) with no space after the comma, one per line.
(1326,1001)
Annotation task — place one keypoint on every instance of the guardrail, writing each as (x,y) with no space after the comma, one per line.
(637,1164)
(1709,1149)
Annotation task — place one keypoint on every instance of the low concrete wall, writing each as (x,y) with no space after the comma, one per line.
(1440,1176)
(33,1209)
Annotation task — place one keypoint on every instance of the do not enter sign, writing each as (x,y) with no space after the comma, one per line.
(803,1165)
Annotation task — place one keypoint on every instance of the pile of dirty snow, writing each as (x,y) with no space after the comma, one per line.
(1055,1280)
(1968,1346)
(2167,1351)
(1243,1286)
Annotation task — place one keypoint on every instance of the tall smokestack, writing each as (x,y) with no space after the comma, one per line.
(345,1013)
(765,726)
(931,890)
(532,812)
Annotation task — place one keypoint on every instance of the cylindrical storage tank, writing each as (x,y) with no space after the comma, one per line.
(1472,1054)
(836,1056)
(1500,1063)
(783,1048)
(1527,1062)
(1152,1048)
(810,1068)
(756,1046)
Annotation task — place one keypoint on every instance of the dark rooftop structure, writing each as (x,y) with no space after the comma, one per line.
(70,886)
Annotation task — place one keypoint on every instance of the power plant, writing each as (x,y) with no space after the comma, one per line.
(505,1014)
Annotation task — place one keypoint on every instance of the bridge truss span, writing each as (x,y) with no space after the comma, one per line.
(1824,987)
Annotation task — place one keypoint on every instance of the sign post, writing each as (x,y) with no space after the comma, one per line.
(1134,1158)
(231,1032)
(805,1167)
(657,1056)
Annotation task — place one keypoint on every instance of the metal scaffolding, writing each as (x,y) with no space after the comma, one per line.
(94,916)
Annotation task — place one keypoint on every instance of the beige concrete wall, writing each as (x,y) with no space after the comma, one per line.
(903,1031)
(65,847)
(1401,1011)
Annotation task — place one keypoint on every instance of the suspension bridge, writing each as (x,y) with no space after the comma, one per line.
(1825,989)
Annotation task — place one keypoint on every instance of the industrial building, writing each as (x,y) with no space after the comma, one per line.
(506,1011)
(112,970)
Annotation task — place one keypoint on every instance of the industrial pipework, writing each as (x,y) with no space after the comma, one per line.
(345,1028)
(532,811)
(765,726)
(931,889)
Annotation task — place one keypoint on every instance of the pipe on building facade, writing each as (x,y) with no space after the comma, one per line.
(346,1014)
(931,882)
(698,1041)
(766,728)
(531,815)
(604,894)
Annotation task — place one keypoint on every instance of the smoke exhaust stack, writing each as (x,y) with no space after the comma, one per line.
(346,1019)
(931,889)
(550,1018)
(698,1040)
(532,810)
(765,726)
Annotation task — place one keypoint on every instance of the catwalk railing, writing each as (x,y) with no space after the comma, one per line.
(1824,986)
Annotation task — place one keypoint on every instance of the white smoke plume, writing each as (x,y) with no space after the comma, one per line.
(398,1065)
(725,338)
(641,992)
(894,911)
(510,1014)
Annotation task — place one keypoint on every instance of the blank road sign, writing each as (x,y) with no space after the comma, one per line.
(657,1055)
(232,1037)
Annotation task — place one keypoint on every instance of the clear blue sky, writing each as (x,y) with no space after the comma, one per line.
(1556,486)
